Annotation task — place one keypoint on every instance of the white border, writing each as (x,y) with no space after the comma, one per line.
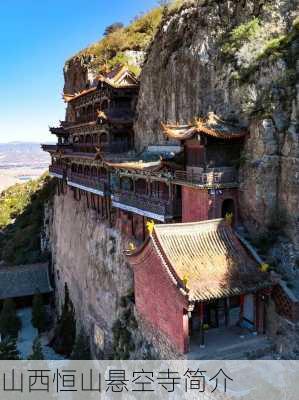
(138,211)
(88,189)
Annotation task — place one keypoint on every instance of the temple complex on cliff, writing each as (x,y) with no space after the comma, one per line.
(177,206)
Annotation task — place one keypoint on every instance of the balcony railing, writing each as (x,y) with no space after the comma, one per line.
(56,147)
(57,170)
(112,147)
(95,183)
(85,147)
(215,176)
(150,206)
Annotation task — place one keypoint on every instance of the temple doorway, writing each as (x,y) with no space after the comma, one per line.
(228,208)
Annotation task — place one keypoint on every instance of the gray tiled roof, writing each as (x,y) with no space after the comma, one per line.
(24,280)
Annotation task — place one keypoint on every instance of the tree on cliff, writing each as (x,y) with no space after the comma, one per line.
(10,323)
(113,28)
(65,332)
(37,351)
(81,350)
(8,349)
(38,313)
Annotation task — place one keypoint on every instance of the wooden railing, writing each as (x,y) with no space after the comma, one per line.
(216,176)
(98,183)
(56,147)
(160,206)
(112,147)
(56,169)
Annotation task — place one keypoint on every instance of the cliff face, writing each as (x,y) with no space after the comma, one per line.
(88,255)
(237,59)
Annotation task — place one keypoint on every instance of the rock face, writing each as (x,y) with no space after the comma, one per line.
(77,74)
(220,57)
(88,255)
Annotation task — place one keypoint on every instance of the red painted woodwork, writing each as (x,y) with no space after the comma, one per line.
(203,204)
(157,298)
(195,204)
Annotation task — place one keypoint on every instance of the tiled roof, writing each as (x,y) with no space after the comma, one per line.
(209,258)
(212,125)
(71,97)
(136,165)
(24,280)
(151,159)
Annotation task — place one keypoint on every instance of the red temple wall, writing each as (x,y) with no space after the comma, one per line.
(203,204)
(195,204)
(157,298)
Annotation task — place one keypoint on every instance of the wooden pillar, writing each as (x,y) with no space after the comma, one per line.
(186,331)
(242,298)
(202,332)
(226,305)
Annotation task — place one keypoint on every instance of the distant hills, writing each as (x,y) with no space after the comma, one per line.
(20,162)
(16,154)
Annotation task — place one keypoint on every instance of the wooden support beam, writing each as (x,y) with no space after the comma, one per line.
(241,315)
(202,332)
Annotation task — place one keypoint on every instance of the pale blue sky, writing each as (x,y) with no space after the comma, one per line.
(36,37)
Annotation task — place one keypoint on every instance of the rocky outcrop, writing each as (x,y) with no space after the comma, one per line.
(78,74)
(236,59)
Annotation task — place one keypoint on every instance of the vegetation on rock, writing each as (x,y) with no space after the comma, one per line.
(81,350)
(123,343)
(21,221)
(110,50)
(8,349)
(10,323)
(37,350)
(38,313)
(65,332)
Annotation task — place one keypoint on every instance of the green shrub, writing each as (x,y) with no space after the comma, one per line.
(10,323)
(241,34)
(37,350)
(21,220)
(38,313)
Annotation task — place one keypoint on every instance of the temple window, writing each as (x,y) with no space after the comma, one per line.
(160,190)
(126,184)
(141,186)
(195,156)
(86,170)
(102,173)
(104,105)
(88,139)
(103,138)
(94,172)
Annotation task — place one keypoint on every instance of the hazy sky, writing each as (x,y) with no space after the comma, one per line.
(36,37)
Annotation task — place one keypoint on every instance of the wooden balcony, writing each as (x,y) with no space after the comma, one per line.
(148,206)
(212,177)
(112,147)
(94,185)
(52,148)
(57,171)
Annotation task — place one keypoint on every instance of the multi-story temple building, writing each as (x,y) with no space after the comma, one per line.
(191,269)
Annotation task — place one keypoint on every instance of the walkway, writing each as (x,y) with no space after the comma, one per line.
(229,344)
